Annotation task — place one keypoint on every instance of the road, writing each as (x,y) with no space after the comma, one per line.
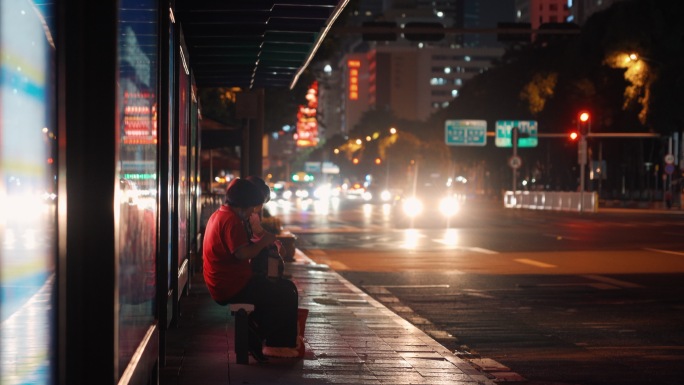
(558,298)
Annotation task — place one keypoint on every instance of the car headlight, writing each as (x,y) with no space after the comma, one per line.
(367,195)
(287,194)
(412,207)
(448,206)
(385,196)
(322,192)
(302,194)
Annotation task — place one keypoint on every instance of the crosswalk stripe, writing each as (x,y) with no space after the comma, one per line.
(535,263)
(612,281)
(664,251)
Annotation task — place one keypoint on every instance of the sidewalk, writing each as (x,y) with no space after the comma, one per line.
(351,339)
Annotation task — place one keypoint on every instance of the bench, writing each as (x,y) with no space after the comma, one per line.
(241,312)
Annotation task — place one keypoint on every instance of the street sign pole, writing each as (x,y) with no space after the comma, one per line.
(514,134)
(582,161)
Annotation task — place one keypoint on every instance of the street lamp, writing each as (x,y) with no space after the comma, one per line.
(392,131)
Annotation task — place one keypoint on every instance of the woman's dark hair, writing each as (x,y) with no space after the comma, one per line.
(262,186)
(242,193)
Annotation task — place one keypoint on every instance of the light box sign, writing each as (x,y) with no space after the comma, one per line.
(307,123)
(354,67)
(465,132)
(527,133)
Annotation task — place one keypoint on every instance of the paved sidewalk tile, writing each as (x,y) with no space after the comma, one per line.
(350,339)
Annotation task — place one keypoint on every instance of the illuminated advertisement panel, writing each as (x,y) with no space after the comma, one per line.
(27,193)
(137,168)
(307,123)
(353,68)
(183,174)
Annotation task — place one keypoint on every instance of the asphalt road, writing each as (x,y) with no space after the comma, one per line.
(558,298)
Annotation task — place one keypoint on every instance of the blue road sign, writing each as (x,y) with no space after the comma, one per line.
(465,132)
(527,130)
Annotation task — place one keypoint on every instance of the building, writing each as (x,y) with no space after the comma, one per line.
(412,82)
(414,79)
(537,12)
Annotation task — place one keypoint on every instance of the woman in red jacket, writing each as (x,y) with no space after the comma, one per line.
(228,274)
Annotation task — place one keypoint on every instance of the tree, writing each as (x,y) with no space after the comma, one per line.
(219,104)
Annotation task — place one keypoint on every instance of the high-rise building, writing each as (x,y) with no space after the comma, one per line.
(411,82)
(537,12)
(582,9)
(415,79)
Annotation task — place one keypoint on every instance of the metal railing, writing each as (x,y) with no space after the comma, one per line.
(552,200)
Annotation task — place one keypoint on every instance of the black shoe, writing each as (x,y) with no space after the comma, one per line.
(258,355)
(255,345)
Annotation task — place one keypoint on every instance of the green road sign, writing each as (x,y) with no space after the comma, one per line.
(527,133)
(465,132)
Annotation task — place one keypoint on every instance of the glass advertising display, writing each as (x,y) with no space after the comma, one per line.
(137,163)
(194,166)
(171,142)
(183,118)
(27,193)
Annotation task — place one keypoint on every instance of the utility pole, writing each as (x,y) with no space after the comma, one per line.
(584,129)
(515,162)
(514,134)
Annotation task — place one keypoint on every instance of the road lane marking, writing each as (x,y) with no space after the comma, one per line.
(612,281)
(664,251)
(411,286)
(641,347)
(560,237)
(481,250)
(535,263)
(597,286)
(464,248)
(316,253)
(337,265)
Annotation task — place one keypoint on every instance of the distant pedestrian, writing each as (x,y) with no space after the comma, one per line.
(668,199)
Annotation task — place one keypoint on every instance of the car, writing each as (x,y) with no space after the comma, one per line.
(430,204)
(281,191)
(382,195)
(354,192)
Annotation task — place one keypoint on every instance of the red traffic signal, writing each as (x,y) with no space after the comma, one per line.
(584,123)
(574,135)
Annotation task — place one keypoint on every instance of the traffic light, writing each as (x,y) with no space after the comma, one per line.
(574,135)
(584,123)
(378,161)
(379,31)
(507,33)
(302,177)
(423,31)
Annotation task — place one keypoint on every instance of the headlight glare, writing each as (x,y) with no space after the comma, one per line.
(448,206)
(413,207)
